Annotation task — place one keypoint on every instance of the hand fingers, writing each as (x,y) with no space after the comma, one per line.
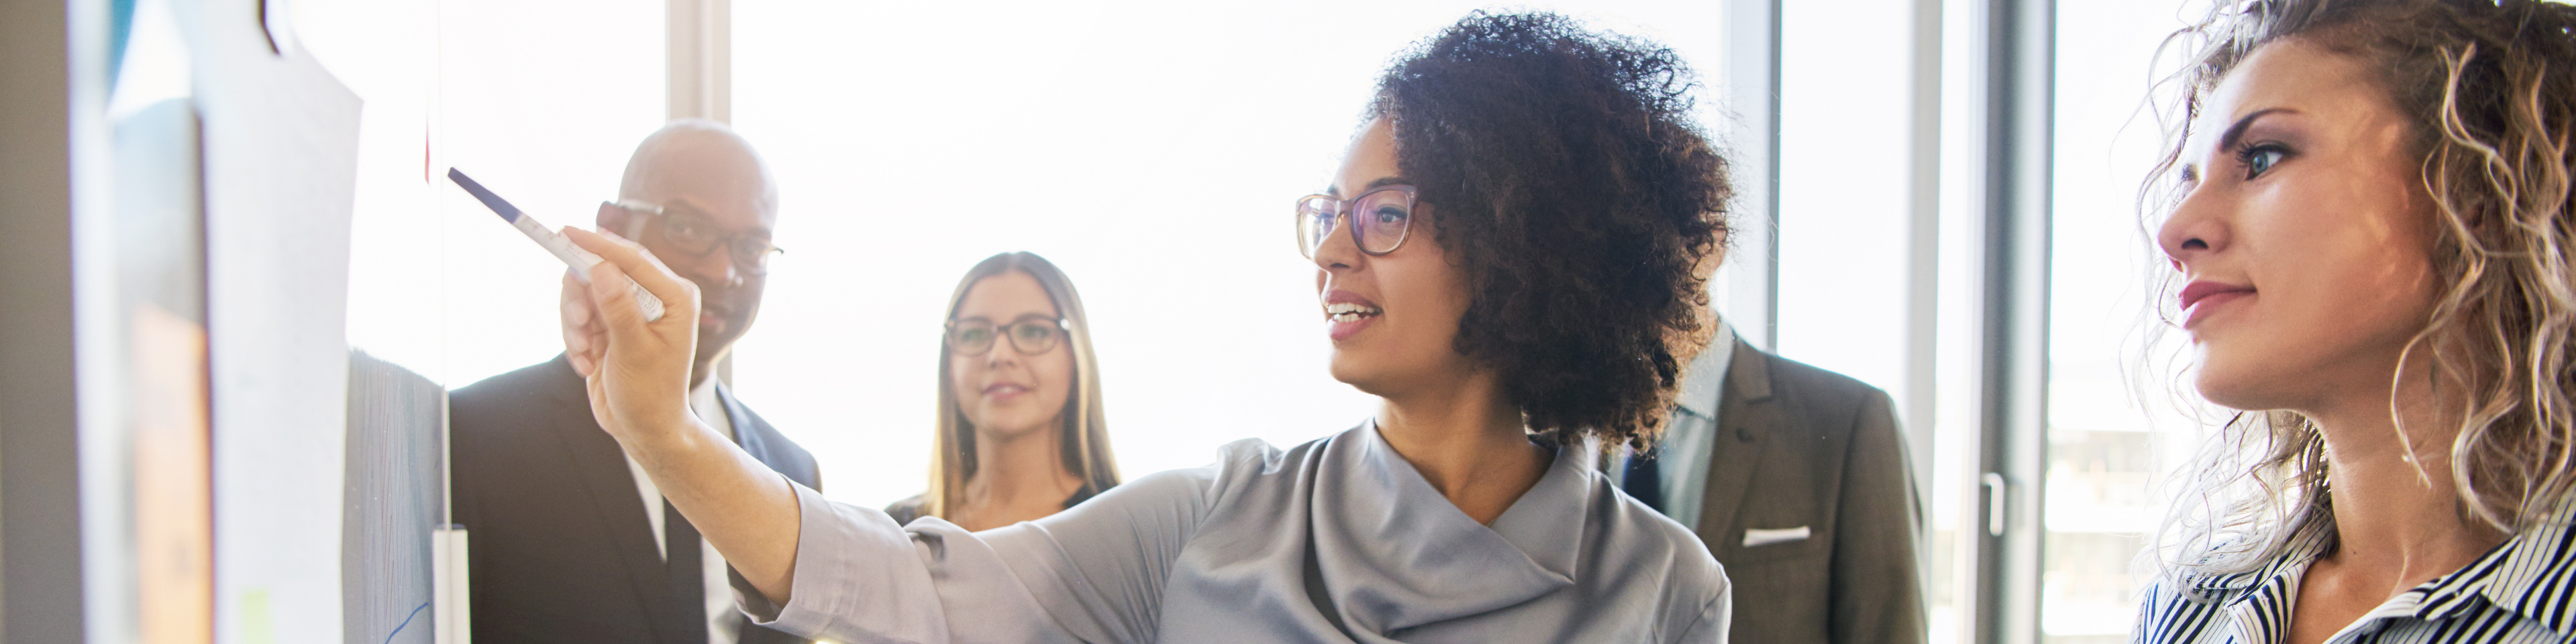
(615,302)
(613,293)
(600,408)
(581,327)
(679,297)
(640,370)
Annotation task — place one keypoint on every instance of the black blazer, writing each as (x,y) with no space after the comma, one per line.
(1802,447)
(559,545)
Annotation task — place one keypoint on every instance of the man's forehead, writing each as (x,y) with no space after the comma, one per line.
(715,176)
(732,208)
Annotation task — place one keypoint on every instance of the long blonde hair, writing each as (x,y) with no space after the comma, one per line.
(1086,433)
(2490,86)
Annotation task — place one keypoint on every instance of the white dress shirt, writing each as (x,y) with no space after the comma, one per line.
(719,591)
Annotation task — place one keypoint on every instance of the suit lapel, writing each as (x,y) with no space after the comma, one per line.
(611,487)
(1737,449)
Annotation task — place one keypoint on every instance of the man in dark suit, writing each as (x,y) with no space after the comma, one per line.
(568,541)
(1797,480)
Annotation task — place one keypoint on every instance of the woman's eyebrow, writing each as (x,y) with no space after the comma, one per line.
(1381,182)
(2237,130)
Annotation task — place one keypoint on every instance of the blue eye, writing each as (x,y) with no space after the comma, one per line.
(2260,159)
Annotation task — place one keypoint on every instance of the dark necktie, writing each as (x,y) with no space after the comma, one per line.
(1645,480)
(686,570)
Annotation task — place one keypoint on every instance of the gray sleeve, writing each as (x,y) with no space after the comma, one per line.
(1093,573)
(1713,621)
(1877,596)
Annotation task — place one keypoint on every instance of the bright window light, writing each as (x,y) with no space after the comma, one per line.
(1151,150)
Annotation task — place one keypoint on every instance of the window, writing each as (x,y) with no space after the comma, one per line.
(1151,150)
(438,284)
(2113,430)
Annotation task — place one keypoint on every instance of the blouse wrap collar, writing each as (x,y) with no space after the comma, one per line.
(1396,561)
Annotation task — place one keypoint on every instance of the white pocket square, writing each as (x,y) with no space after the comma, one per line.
(1763,537)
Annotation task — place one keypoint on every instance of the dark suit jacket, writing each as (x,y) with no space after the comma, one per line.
(1801,446)
(559,546)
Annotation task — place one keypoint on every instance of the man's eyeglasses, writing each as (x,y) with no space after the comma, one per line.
(1379,219)
(1031,335)
(685,228)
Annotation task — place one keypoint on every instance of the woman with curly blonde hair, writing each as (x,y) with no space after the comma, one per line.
(2372,231)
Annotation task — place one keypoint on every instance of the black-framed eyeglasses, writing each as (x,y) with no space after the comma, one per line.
(1031,335)
(1380,219)
(687,229)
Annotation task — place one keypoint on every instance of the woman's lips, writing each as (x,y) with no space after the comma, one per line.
(1004,391)
(1343,330)
(2201,299)
(1347,314)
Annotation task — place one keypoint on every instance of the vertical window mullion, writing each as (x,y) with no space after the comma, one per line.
(1752,301)
(2016,44)
(700,59)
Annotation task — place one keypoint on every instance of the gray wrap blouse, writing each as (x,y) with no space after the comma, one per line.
(1335,540)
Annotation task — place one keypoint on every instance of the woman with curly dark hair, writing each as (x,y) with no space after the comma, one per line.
(1507,258)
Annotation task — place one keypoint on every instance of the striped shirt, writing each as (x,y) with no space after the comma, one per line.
(2522,591)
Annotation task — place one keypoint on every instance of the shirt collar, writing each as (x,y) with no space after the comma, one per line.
(1540,523)
(2311,539)
(1706,374)
(2262,598)
(2530,574)
(705,393)
(709,405)
(1396,554)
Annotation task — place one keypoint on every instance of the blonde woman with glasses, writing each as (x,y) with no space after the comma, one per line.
(1021,434)
(2372,237)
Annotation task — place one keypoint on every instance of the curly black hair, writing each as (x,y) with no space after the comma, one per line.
(1579,197)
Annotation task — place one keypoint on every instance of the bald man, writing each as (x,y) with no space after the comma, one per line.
(569,541)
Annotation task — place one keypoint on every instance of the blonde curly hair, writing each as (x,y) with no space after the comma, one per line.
(2490,86)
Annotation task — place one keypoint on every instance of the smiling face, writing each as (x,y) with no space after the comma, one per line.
(2305,235)
(1392,318)
(1004,392)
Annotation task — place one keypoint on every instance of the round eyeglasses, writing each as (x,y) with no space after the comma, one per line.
(1031,335)
(1380,218)
(689,230)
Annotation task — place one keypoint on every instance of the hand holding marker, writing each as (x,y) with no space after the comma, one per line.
(573,256)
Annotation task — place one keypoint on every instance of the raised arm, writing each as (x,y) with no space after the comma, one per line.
(1093,573)
(638,375)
